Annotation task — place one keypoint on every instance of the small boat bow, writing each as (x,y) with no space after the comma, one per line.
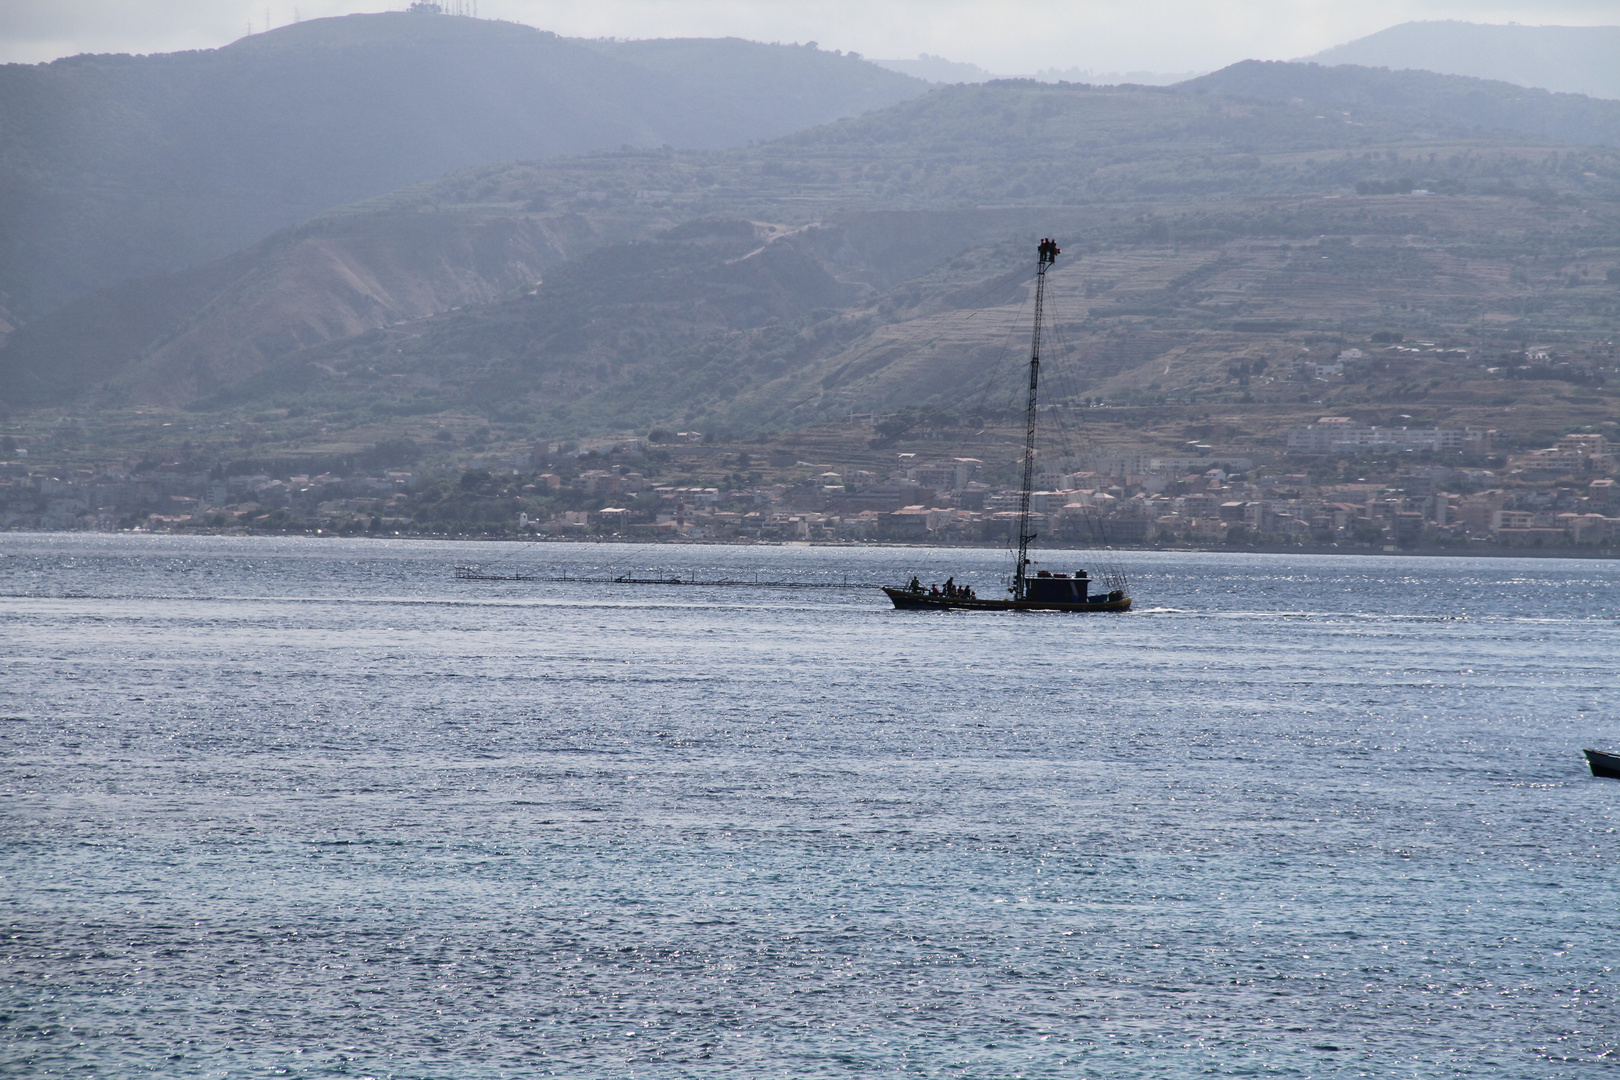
(1603,764)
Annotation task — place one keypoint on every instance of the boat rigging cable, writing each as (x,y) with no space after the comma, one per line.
(1075,445)
(1045,591)
(1048,256)
(951,324)
(953,405)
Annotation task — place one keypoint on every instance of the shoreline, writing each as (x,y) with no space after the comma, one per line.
(1482,550)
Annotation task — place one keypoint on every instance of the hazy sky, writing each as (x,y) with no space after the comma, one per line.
(1005,36)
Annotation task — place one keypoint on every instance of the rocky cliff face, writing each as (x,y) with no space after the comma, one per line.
(340,283)
(174,338)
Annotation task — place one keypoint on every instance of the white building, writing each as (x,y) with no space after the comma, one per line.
(1339,435)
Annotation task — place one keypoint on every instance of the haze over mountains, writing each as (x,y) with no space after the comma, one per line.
(1568,59)
(940,70)
(1423,99)
(1565,59)
(119,166)
(1245,216)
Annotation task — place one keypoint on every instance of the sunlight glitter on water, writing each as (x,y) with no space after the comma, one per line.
(306,808)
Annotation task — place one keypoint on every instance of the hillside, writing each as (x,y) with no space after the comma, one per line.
(937,69)
(1420,102)
(875,265)
(750,329)
(114,167)
(1567,59)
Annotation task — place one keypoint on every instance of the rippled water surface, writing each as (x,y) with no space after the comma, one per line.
(311,808)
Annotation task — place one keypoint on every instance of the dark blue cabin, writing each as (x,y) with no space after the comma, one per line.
(1049,588)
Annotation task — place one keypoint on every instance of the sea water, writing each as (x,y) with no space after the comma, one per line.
(299,807)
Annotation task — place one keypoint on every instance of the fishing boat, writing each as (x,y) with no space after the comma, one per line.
(1603,764)
(1042,590)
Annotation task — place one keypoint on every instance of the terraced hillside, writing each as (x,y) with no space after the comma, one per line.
(876,265)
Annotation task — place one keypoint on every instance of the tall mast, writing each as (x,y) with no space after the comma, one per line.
(1048,252)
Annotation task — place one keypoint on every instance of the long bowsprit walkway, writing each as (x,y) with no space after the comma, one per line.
(474,573)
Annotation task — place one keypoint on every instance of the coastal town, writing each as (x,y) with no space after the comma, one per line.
(1337,484)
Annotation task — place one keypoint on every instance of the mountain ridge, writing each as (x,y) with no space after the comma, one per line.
(1566,59)
(1417,98)
(886,207)
(114,167)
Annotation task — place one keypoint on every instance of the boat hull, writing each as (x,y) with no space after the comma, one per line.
(912,601)
(1603,764)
